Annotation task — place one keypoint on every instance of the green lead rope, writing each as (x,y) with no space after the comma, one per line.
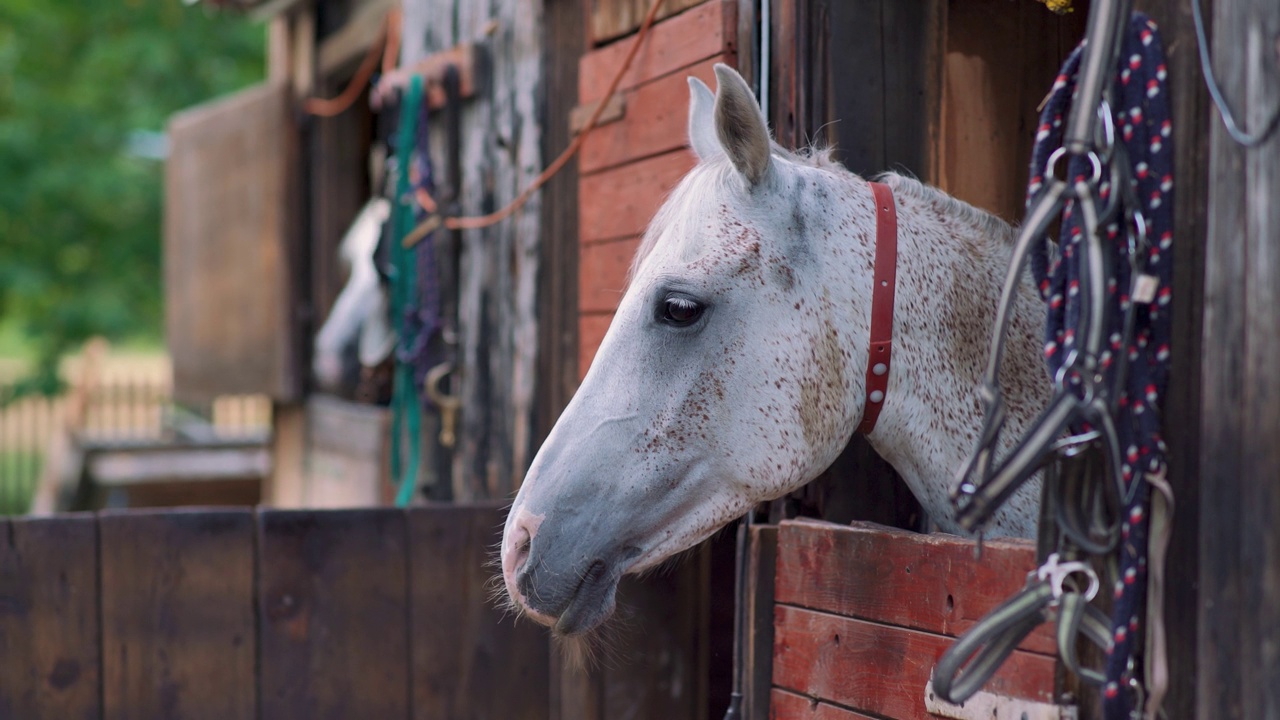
(405,409)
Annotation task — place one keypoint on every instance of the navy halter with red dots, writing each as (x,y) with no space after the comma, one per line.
(1145,129)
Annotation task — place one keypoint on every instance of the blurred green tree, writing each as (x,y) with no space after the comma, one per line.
(86,86)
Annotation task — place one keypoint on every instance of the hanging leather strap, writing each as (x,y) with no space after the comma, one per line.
(885,281)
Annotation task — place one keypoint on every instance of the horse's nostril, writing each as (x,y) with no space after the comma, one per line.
(521,552)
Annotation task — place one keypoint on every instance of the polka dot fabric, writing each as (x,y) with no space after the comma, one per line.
(1143,128)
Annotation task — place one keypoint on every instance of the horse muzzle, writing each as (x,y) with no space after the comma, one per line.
(556,578)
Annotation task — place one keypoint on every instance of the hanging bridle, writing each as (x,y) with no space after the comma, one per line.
(1093,485)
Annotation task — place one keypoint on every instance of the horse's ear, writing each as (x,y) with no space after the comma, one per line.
(740,125)
(702,130)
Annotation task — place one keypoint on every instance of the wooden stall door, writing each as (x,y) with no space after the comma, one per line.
(228,228)
(241,614)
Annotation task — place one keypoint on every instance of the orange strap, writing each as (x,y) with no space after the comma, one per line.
(886,274)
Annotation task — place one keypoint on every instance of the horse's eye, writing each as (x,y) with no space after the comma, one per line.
(680,311)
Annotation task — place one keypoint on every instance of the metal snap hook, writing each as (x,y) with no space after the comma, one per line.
(1056,573)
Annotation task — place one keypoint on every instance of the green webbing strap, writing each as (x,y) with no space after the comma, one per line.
(405,408)
(989,643)
(1076,617)
(971,661)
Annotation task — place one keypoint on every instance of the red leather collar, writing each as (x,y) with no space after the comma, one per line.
(886,273)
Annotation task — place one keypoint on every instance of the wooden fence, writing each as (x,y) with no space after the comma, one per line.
(270,615)
(120,407)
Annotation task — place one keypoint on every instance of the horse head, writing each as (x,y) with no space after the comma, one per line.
(732,373)
(357,328)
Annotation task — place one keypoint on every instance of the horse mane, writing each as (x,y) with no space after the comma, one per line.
(986,224)
(721,173)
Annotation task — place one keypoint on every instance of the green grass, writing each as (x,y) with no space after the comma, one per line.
(19,473)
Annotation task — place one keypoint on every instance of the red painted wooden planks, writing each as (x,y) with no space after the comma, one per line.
(619,203)
(881,669)
(49,633)
(709,29)
(591,330)
(926,582)
(789,706)
(656,120)
(177,615)
(602,275)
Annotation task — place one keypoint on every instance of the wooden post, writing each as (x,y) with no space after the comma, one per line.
(1238,668)
(286,488)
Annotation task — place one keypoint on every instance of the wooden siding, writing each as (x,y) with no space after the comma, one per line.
(229,305)
(1237,669)
(610,19)
(629,165)
(501,154)
(239,614)
(863,612)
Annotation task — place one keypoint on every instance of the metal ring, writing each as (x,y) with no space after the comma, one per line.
(1137,238)
(1094,160)
(1108,128)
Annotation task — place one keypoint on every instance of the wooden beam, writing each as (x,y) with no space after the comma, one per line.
(124,468)
(1239,619)
(558,301)
(354,38)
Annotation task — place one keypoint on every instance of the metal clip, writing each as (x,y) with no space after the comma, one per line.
(1055,573)
(449,404)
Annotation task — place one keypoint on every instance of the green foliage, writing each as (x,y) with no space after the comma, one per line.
(19,475)
(80,216)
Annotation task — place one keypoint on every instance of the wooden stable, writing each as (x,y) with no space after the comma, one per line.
(944,89)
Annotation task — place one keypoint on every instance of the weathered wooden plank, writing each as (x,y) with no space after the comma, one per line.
(478,663)
(49,633)
(347,454)
(179,464)
(990,92)
(927,582)
(228,225)
(497,284)
(324,577)
(1225,434)
(613,18)
(913,48)
(880,669)
(619,203)
(761,568)
(656,120)
(1260,502)
(707,30)
(591,330)
(603,275)
(1239,495)
(177,615)
(790,706)
(558,300)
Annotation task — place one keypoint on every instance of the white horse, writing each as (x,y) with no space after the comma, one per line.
(360,312)
(734,369)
